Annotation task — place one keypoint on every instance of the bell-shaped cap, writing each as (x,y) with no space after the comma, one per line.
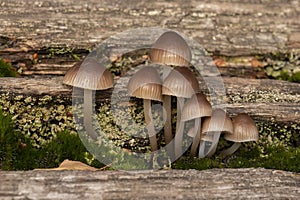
(171,49)
(146,84)
(196,107)
(180,82)
(218,122)
(89,74)
(244,129)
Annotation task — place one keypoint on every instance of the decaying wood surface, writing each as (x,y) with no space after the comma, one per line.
(60,29)
(229,27)
(246,183)
(264,99)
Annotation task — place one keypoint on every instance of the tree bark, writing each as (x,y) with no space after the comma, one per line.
(60,30)
(246,183)
(264,99)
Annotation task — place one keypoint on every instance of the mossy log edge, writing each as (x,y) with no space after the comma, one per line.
(264,99)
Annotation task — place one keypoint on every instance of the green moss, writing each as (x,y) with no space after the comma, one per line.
(295,77)
(6,70)
(284,66)
(275,157)
(17,152)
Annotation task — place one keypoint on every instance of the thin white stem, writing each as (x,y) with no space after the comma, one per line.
(230,150)
(214,144)
(150,124)
(168,125)
(179,128)
(167,119)
(196,139)
(201,153)
(88,113)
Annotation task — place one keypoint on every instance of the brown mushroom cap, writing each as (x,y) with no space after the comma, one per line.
(196,107)
(218,122)
(244,129)
(180,82)
(146,84)
(171,49)
(89,74)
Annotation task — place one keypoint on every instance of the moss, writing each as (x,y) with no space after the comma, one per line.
(17,153)
(6,70)
(275,157)
(45,125)
(295,77)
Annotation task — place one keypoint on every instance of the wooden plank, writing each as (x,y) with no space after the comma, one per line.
(227,27)
(248,183)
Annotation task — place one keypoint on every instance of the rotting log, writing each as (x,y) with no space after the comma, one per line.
(60,29)
(264,99)
(248,183)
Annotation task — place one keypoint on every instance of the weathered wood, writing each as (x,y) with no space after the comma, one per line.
(59,29)
(262,98)
(229,27)
(246,183)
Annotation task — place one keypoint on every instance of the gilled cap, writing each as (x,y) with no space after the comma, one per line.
(196,107)
(218,122)
(171,49)
(146,84)
(180,82)
(89,74)
(244,129)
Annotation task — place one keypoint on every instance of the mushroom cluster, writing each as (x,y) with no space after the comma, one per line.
(171,52)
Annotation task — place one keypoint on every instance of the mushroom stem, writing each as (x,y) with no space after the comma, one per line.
(179,128)
(214,144)
(196,139)
(88,113)
(201,153)
(150,124)
(168,122)
(213,147)
(230,150)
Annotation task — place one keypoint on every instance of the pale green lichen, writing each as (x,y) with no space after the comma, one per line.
(40,118)
(263,96)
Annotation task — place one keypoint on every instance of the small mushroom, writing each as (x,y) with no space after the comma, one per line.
(89,75)
(146,84)
(181,83)
(172,50)
(196,108)
(244,130)
(213,126)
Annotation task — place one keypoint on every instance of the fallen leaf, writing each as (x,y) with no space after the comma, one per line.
(256,63)
(220,62)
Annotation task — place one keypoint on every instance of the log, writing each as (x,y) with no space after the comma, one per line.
(248,183)
(264,99)
(228,27)
(60,30)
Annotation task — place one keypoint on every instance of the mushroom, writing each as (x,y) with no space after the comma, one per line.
(181,83)
(146,84)
(213,126)
(244,130)
(170,49)
(89,75)
(196,108)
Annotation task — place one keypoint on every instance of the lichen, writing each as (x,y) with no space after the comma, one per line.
(283,66)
